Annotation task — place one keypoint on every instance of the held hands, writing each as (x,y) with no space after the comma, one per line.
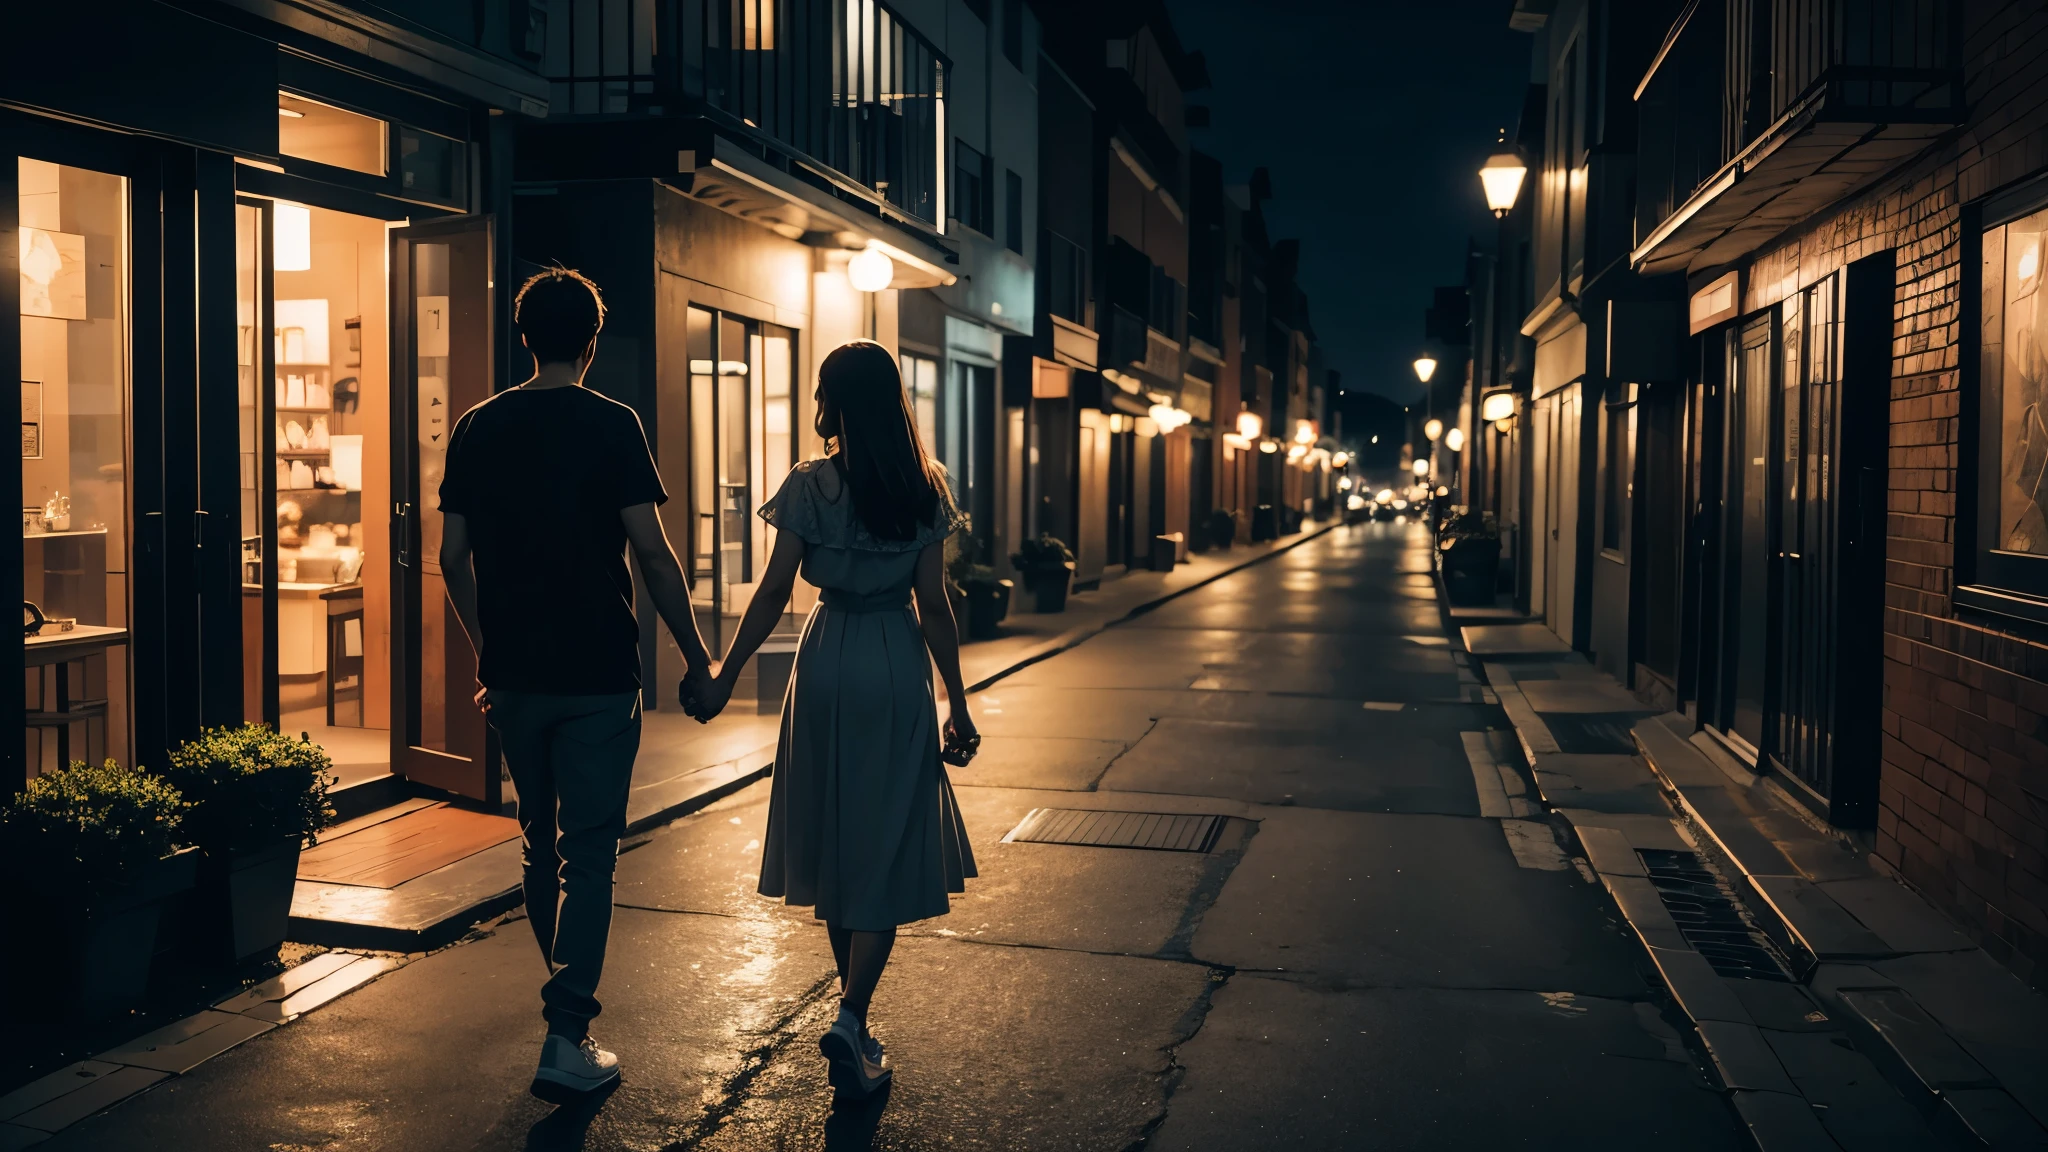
(703,695)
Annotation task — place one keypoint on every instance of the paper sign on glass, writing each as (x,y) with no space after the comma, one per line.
(52,274)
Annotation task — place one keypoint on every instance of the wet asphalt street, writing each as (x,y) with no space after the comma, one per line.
(1361,961)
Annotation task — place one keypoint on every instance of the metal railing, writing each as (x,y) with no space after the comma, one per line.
(1730,70)
(845,83)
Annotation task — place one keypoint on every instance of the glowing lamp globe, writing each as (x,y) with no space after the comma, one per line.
(1433,429)
(1502,179)
(1496,406)
(1421,468)
(1249,425)
(870,270)
(1425,367)
(1455,439)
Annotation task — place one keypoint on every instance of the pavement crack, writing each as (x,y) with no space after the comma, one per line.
(1095,785)
(1175,1073)
(776,1036)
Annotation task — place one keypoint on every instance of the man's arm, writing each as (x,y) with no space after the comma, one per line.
(666,584)
(461,581)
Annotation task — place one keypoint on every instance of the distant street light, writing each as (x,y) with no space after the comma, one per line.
(1502,178)
(1433,429)
(1425,367)
(1249,425)
(1455,439)
(1421,467)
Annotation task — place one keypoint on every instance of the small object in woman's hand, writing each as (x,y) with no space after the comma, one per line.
(958,751)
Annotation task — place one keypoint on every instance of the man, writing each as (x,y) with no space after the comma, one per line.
(545,485)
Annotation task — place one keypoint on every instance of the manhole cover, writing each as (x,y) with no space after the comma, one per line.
(1709,918)
(1162,831)
(1593,733)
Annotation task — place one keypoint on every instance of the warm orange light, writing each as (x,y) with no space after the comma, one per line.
(1249,425)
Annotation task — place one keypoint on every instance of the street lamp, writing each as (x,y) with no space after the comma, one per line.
(1433,429)
(1502,178)
(1455,439)
(1249,425)
(1425,367)
(1497,405)
(1421,467)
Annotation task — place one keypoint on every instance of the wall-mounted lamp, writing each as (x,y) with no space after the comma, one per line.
(870,270)
(1497,405)
(1433,429)
(1249,425)
(1455,439)
(1269,446)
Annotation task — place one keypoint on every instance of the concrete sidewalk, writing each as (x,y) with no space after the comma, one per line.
(1838,1007)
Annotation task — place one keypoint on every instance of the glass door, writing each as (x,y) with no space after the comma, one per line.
(1746,544)
(440,367)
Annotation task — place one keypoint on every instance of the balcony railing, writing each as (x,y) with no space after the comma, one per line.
(844,83)
(1732,73)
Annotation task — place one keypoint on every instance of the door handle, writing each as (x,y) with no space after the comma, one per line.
(401,533)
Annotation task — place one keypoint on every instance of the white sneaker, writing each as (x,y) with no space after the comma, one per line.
(569,1072)
(855,1061)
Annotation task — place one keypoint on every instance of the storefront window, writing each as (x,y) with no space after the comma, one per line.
(74,462)
(2012,490)
(328,135)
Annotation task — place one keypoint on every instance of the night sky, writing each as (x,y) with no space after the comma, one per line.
(1374,117)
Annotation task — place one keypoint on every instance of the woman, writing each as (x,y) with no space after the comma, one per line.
(862,823)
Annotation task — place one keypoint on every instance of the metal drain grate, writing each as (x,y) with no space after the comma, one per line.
(1160,831)
(1710,919)
(1593,733)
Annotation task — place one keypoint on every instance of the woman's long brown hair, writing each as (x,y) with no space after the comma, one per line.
(865,414)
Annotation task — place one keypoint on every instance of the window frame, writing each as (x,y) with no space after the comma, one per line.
(1989,579)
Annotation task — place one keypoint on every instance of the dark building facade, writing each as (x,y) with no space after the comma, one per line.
(1778,445)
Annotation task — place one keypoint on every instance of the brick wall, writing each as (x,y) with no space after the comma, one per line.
(1963,792)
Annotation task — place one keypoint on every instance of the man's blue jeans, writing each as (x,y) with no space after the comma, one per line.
(571,758)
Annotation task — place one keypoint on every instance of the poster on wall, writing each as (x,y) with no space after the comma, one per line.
(31,420)
(52,274)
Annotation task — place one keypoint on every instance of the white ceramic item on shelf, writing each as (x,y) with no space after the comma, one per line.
(302,474)
(294,391)
(294,435)
(316,436)
(323,477)
(316,394)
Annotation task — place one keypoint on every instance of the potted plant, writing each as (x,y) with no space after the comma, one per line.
(988,601)
(256,797)
(1048,569)
(95,853)
(1222,528)
(1468,554)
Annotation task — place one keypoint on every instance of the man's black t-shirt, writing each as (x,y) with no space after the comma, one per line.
(540,476)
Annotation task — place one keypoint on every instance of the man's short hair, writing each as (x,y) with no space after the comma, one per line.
(560,312)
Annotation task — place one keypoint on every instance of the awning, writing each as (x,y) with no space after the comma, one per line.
(1807,161)
(735,181)
(695,158)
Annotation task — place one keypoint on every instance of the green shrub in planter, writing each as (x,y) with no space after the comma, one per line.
(256,796)
(1047,566)
(96,851)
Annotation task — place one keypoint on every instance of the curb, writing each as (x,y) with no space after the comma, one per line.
(32,1113)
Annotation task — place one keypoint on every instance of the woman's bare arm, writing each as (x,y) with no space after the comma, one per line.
(771,597)
(942,633)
